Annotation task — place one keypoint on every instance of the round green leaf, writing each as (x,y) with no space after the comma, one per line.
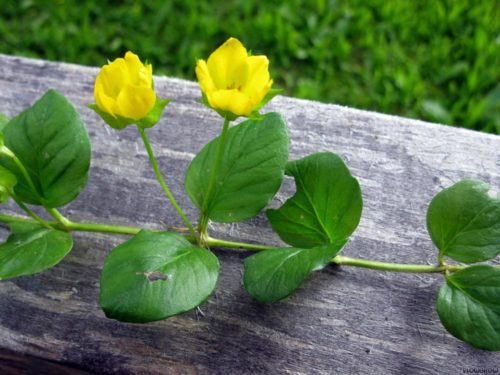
(326,207)
(154,276)
(274,274)
(52,143)
(250,173)
(464,222)
(468,305)
(32,248)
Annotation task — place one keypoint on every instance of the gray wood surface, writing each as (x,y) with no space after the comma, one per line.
(343,320)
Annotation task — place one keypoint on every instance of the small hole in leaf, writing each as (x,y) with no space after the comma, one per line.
(154,276)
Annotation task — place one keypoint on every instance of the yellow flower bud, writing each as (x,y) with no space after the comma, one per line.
(124,88)
(233,81)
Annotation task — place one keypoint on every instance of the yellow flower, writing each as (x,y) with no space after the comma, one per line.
(233,81)
(124,88)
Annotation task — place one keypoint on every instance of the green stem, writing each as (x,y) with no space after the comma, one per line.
(348,261)
(61,220)
(104,228)
(441,259)
(164,186)
(214,242)
(203,219)
(83,227)
(25,208)
(394,267)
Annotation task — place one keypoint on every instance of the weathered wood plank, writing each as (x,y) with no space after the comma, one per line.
(12,363)
(342,321)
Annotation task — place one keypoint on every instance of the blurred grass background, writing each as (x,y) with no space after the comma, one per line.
(437,60)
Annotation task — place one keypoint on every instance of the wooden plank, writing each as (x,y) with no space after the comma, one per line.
(12,363)
(343,320)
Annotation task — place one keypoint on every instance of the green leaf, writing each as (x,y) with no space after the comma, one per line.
(3,121)
(52,143)
(464,222)
(326,207)
(32,248)
(154,115)
(7,181)
(274,274)
(154,276)
(468,305)
(250,173)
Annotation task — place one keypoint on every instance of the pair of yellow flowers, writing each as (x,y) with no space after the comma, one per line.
(232,82)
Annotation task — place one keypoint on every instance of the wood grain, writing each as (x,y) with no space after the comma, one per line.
(12,363)
(343,320)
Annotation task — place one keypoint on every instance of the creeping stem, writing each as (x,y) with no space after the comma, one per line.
(25,208)
(203,218)
(61,220)
(164,186)
(215,242)
(78,227)
(395,267)
(348,261)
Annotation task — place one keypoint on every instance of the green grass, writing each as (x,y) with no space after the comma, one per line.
(437,60)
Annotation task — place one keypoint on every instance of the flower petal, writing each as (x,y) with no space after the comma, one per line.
(232,101)
(258,77)
(133,61)
(103,101)
(149,75)
(206,82)
(225,63)
(135,102)
(114,77)
(139,75)
(258,96)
